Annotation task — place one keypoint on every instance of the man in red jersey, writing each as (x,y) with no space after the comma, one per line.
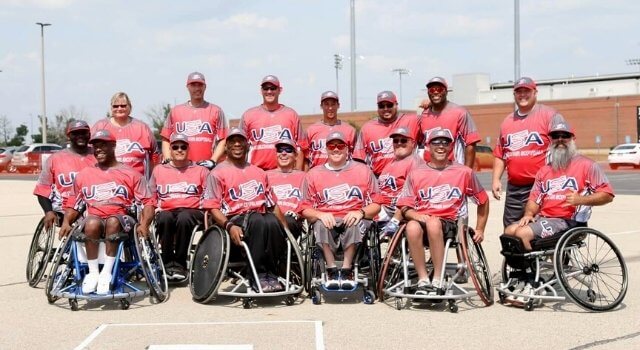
(240,200)
(269,122)
(286,185)
(318,131)
(340,199)
(393,176)
(522,148)
(434,197)
(106,191)
(55,182)
(179,186)
(563,193)
(374,145)
(444,114)
(204,123)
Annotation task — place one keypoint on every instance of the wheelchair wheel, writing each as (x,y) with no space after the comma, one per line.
(391,271)
(209,264)
(590,269)
(39,253)
(374,261)
(308,246)
(61,273)
(152,266)
(478,266)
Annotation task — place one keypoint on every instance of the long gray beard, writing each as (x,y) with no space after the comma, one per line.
(561,157)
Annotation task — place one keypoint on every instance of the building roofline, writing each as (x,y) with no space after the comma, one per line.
(571,80)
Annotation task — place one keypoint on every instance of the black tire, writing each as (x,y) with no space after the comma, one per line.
(209,264)
(152,266)
(309,247)
(595,275)
(478,266)
(39,253)
(61,273)
(374,261)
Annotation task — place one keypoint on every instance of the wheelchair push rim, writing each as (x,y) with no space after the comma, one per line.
(152,266)
(208,264)
(61,270)
(39,253)
(478,267)
(387,270)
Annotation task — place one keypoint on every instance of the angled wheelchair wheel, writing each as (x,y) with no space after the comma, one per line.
(39,253)
(391,267)
(209,264)
(152,266)
(478,266)
(590,269)
(373,260)
(61,273)
(298,266)
(308,251)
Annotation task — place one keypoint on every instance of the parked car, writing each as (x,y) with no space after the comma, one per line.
(5,157)
(484,158)
(30,158)
(625,154)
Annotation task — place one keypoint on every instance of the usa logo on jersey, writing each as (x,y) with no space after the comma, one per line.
(247,191)
(440,194)
(286,191)
(341,194)
(180,187)
(384,146)
(388,181)
(125,146)
(193,128)
(106,191)
(319,145)
(522,139)
(271,134)
(560,184)
(66,180)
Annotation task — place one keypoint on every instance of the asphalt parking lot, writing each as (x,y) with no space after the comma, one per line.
(28,321)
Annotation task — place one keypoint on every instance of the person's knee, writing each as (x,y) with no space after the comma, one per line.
(511,230)
(164,217)
(93,227)
(413,229)
(112,225)
(185,218)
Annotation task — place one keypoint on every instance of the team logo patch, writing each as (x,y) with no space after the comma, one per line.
(319,145)
(383,146)
(66,180)
(125,146)
(106,191)
(522,139)
(388,181)
(286,191)
(180,187)
(247,191)
(440,194)
(271,134)
(194,127)
(560,184)
(341,194)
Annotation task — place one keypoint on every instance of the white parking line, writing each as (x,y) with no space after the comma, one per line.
(623,233)
(84,345)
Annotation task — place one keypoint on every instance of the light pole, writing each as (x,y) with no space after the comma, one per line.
(516,40)
(44,103)
(634,62)
(337,63)
(401,71)
(354,104)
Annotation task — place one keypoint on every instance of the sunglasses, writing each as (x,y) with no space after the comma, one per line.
(385,105)
(338,146)
(436,89)
(440,142)
(269,88)
(119,106)
(400,140)
(179,147)
(560,135)
(285,149)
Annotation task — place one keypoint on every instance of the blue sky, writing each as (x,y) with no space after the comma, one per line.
(146,48)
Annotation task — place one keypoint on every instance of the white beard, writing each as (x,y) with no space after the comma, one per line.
(561,156)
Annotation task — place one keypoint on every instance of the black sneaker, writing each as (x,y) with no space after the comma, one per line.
(346,279)
(179,272)
(332,278)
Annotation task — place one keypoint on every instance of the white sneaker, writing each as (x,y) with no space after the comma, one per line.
(423,287)
(527,289)
(89,283)
(103,284)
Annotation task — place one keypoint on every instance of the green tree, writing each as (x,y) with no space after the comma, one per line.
(57,126)
(157,115)
(18,138)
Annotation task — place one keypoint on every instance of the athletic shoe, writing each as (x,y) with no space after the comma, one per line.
(179,272)
(90,283)
(423,287)
(104,282)
(346,279)
(332,281)
(275,284)
(461,277)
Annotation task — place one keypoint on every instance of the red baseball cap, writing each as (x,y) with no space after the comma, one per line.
(525,82)
(562,127)
(195,77)
(387,96)
(77,125)
(336,135)
(401,131)
(179,138)
(440,133)
(102,135)
(270,79)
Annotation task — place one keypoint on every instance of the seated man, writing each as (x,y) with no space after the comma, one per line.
(107,190)
(60,169)
(563,192)
(286,184)
(434,196)
(240,200)
(179,186)
(340,196)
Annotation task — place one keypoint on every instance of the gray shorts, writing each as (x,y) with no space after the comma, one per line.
(547,227)
(126,222)
(351,235)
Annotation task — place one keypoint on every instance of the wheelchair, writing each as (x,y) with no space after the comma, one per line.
(217,268)
(398,278)
(584,262)
(366,267)
(41,251)
(136,258)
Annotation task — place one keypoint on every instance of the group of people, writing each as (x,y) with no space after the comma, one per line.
(261,180)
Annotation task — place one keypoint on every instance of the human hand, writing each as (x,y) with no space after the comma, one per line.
(236,234)
(327,220)
(49,219)
(496,189)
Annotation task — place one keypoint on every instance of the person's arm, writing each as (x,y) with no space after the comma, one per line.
(313,215)
(166,149)
(598,198)
(278,213)
(145,220)
(469,155)
(47,208)
(218,151)
(70,217)
(368,212)
(498,169)
(481,221)
(235,231)
(530,210)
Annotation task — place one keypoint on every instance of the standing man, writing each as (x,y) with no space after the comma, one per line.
(202,122)
(269,122)
(318,131)
(522,148)
(374,145)
(444,114)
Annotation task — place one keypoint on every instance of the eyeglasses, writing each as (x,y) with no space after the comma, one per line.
(385,105)
(338,146)
(179,147)
(436,89)
(285,149)
(560,135)
(440,142)
(269,88)
(118,106)
(400,140)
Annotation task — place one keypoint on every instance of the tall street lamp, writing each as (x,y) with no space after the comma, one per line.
(634,62)
(401,72)
(44,104)
(337,63)
(354,103)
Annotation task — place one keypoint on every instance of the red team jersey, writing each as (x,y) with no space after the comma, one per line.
(392,178)
(317,134)
(374,144)
(110,192)
(203,126)
(236,191)
(338,192)
(179,187)
(458,121)
(264,129)
(287,188)
(60,170)
(442,193)
(582,175)
(135,144)
(524,141)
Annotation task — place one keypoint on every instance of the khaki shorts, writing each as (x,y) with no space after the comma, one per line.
(334,238)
